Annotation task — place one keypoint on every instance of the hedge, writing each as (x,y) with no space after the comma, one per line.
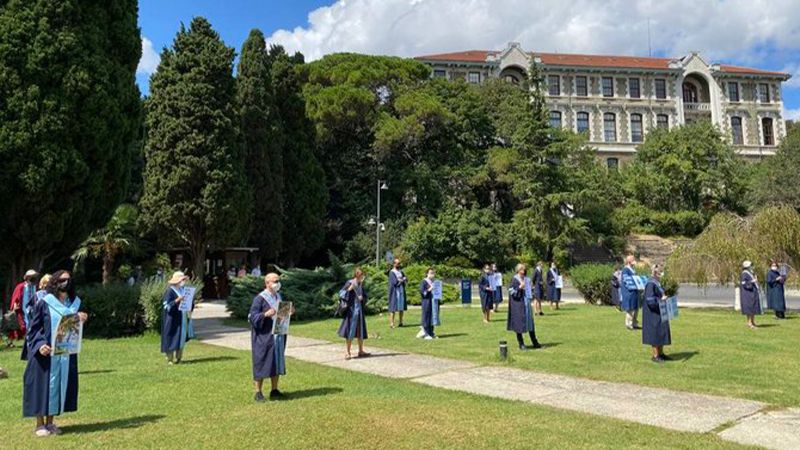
(640,219)
(152,292)
(113,309)
(593,282)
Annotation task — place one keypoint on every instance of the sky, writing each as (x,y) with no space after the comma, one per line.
(763,34)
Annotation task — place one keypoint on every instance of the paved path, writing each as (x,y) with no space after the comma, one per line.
(742,421)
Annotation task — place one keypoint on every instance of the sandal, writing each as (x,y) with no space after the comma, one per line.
(348,356)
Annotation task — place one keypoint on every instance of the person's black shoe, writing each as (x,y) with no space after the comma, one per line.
(276,395)
(637,327)
(540,314)
(536,344)
(657,359)
(522,347)
(260,397)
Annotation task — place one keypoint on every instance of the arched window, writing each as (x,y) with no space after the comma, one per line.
(736,131)
(769,132)
(555,119)
(690,93)
(583,122)
(610,127)
(637,132)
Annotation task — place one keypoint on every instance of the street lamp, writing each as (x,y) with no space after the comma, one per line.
(378,225)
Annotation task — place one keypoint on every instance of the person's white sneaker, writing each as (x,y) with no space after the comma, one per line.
(53,429)
(421,333)
(428,337)
(42,432)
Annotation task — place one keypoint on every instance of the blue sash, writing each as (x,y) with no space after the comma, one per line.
(184,319)
(400,293)
(59,364)
(280,357)
(434,309)
(528,315)
(27,309)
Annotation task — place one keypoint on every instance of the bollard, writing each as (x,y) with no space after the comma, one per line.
(503,350)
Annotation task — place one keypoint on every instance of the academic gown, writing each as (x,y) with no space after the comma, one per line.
(615,290)
(36,382)
(174,323)
(397,292)
(498,294)
(268,350)
(654,332)
(30,305)
(487,296)
(775,291)
(751,305)
(628,292)
(553,293)
(354,324)
(538,286)
(520,316)
(428,305)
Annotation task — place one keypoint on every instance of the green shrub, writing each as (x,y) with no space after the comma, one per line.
(152,292)
(593,282)
(415,274)
(113,309)
(639,219)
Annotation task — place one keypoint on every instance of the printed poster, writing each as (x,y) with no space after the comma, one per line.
(188,299)
(281,319)
(68,336)
(437,289)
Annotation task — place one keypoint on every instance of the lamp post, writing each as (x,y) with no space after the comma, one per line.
(378,225)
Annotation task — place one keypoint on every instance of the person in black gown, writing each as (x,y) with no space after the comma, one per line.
(175,324)
(51,380)
(775,291)
(520,315)
(498,288)
(655,333)
(616,284)
(354,325)
(486,292)
(538,289)
(553,291)
(750,294)
(269,360)
(430,307)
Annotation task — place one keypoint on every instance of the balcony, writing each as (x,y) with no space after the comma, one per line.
(699,107)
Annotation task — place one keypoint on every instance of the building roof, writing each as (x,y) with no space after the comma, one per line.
(576,60)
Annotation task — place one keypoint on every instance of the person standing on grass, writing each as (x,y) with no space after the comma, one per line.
(21,303)
(616,284)
(174,322)
(44,283)
(538,289)
(498,289)
(553,291)
(397,292)
(50,380)
(655,333)
(354,325)
(750,295)
(775,291)
(520,316)
(268,350)
(430,307)
(486,293)
(629,294)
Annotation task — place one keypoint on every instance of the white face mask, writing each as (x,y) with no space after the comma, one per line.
(276,286)
(182,284)
(430,276)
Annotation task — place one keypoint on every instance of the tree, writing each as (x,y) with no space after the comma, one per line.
(776,182)
(262,133)
(69,116)
(195,191)
(118,236)
(305,191)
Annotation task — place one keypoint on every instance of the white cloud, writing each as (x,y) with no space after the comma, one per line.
(791,114)
(150,58)
(794,69)
(720,29)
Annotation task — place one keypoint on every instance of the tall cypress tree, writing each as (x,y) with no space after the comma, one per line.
(306,193)
(69,116)
(261,128)
(195,191)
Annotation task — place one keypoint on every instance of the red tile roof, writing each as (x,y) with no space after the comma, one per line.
(468,56)
(747,70)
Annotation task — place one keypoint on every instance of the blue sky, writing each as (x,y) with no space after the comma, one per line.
(755,33)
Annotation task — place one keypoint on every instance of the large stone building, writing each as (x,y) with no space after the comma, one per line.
(615,100)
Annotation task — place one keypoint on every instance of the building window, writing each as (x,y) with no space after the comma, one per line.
(583,122)
(769,134)
(554,84)
(633,88)
(763,92)
(474,77)
(511,79)
(581,86)
(610,127)
(689,93)
(736,130)
(661,88)
(608,87)
(733,92)
(662,121)
(612,164)
(555,119)
(439,74)
(458,75)
(637,133)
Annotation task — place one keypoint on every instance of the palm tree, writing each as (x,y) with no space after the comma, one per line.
(116,237)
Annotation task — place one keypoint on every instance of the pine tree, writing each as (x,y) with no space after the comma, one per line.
(195,191)
(261,129)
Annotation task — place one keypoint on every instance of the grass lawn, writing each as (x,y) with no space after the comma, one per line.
(131,400)
(715,352)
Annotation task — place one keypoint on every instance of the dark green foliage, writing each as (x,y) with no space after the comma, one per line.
(113,309)
(195,191)
(152,293)
(262,132)
(69,117)
(635,217)
(593,281)
(776,182)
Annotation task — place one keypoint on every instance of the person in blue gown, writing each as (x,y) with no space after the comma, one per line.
(397,292)
(175,324)
(520,314)
(498,289)
(486,293)
(430,306)
(616,285)
(750,294)
(354,325)
(538,289)
(553,291)
(629,294)
(655,333)
(51,380)
(268,349)
(776,295)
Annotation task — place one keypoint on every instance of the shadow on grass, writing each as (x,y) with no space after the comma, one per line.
(683,356)
(767,325)
(119,424)
(378,355)
(451,335)
(208,360)
(550,344)
(98,371)
(317,392)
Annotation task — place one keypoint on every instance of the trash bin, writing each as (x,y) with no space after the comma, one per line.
(466,291)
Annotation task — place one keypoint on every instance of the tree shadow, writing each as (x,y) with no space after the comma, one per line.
(98,371)
(451,335)
(209,360)
(683,356)
(119,424)
(316,392)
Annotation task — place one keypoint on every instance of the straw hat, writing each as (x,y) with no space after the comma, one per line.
(747,264)
(177,277)
(30,274)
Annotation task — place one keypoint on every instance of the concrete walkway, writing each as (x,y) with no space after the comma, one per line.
(741,421)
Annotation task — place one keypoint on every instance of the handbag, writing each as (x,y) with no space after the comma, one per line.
(342,306)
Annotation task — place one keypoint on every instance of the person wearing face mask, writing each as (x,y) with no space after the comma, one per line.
(268,350)
(750,296)
(430,307)
(397,291)
(655,333)
(629,294)
(354,325)
(498,289)
(50,380)
(175,329)
(775,291)
(22,302)
(538,289)
(486,292)
(520,316)
(553,291)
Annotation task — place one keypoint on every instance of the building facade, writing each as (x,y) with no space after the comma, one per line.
(616,100)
